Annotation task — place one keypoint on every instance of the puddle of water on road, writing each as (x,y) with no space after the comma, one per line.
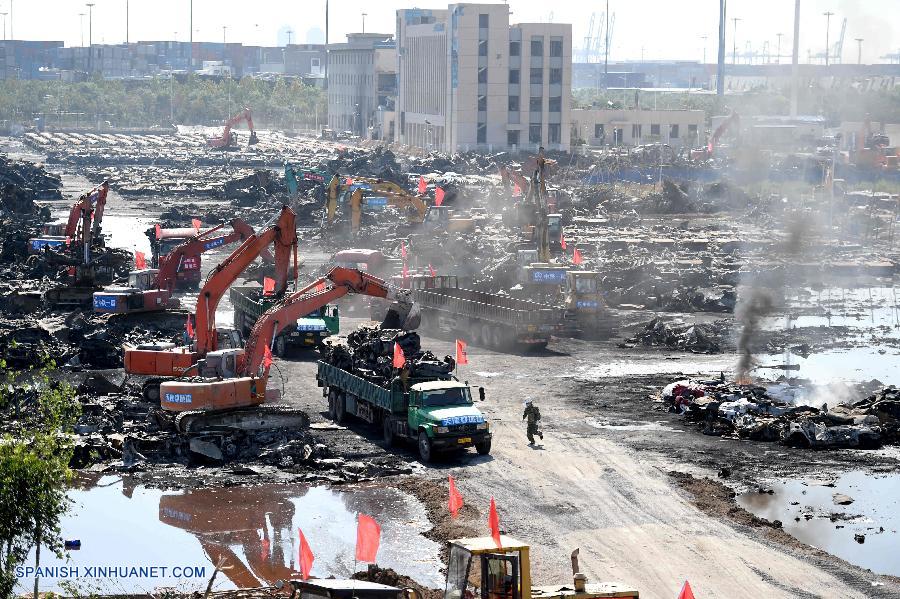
(875,506)
(630,426)
(253,528)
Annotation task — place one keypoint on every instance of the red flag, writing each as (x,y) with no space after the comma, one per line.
(189,327)
(431,270)
(576,257)
(686,592)
(319,288)
(456,500)
(306,557)
(158,231)
(68,241)
(562,241)
(494,523)
(462,353)
(349,181)
(438,196)
(399,358)
(140,260)
(517,191)
(403,250)
(368,535)
(422,184)
(268,286)
(405,271)
(267,357)
(195,222)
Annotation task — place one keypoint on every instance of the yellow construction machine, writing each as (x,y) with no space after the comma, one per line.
(477,568)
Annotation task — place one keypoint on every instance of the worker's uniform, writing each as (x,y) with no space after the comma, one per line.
(533,414)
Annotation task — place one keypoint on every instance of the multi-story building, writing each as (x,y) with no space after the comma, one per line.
(361,78)
(468,79)
(602,127)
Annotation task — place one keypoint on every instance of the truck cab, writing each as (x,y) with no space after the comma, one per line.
(585,304)
(441,218)
(443,414)
(140,295)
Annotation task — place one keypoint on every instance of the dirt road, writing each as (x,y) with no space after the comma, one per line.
(587,486)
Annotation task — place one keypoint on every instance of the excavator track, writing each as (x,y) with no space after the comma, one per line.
(256,418)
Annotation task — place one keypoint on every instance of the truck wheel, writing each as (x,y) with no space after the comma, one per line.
(340,408)
(388,431)
(483,448)
(280,346)
(150,391)
(424,447)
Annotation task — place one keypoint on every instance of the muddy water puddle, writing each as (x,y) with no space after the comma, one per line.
(253,529)
(863,532)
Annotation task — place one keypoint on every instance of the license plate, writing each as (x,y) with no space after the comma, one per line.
(464,440)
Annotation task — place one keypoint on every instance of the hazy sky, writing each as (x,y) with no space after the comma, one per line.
(661,28)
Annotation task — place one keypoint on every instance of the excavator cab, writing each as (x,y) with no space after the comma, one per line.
(478,568)
(254,139)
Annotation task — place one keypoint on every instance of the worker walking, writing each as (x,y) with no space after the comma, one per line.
(533,414)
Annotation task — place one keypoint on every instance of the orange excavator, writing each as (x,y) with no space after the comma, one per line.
(233,382)
(151,289)
(162,360)
(733,120)
(227,139)
(87,211)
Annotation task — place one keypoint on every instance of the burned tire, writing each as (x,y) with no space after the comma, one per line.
(340,408)
(483,448)
(150,391)
(424,447)
(387,429)
(280,346)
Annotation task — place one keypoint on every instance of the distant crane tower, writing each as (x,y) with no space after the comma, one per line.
(596,38)
(588,38)
(836,52)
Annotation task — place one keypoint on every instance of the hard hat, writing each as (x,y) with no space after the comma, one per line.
(528,402)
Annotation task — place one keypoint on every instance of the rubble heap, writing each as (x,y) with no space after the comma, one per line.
(696,338)
(369,351)
(759,413)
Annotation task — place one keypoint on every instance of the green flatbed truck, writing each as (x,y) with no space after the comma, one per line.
(438,415)
(310,331)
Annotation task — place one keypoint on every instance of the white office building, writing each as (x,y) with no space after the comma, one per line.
(467,79)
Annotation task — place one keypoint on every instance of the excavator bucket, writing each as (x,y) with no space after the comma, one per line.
(253,139)
(404,315)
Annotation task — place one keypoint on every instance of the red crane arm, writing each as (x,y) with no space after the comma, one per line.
(283,234)
(85,203)
(304,301)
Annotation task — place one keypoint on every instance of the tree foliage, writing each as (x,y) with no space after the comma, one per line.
(34,465)
(286,104)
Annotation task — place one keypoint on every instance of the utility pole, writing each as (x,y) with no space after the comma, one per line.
(80,28)
(289,33)
(364,22)
(126,20)
(326,44)
(4,25)
(606,58)
(859,42)
(827,33)
(90,6)
(795,60)
(778,50)
(720,58)
(734,41)
(703,37)
(191,39)
(224,27)
(12,36)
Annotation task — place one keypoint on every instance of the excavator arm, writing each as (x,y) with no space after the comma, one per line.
(89,204)
(400,201)
(734,119)
(342,281)
(283,234)
(225,139)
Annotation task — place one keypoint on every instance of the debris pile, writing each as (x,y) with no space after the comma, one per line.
(768,414)
(697,338)
(369,352)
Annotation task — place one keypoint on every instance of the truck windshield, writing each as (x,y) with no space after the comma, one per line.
(456,396)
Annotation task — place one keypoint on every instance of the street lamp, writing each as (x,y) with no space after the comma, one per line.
(4,25)
(90,6)
(734,41)
(778,49)
(827,33)
(703,37)
(364,22)
(859,41)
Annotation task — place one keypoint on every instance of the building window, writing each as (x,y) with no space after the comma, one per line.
(599,132)
(482,103)
(537,46)
(515,48)
(514,103)
(512,138)
(553,133)
(555,76)
(514,75)
(673,132)
(534,133)
(556,48)
(483,21)
(482,48)
(654,130)
(635,132)
(482,75)
(618,134)
(537,75)
(482,134)
(314,63)
(535,104)
(692,131)
(555,103)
